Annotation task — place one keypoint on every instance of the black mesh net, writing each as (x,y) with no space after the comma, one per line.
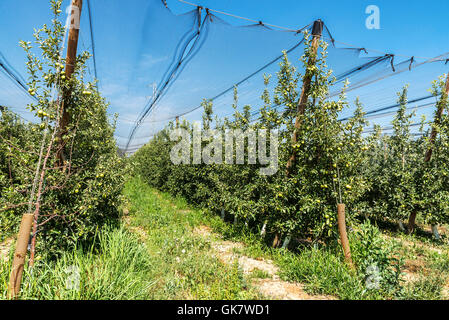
(162,65)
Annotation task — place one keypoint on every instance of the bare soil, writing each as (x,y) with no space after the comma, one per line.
(272,287)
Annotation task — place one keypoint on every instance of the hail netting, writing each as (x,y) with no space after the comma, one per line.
(13,89)
(198,56)
(176,61)
(21,18)
(153,65)
(14,92)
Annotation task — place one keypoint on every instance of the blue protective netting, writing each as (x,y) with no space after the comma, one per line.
(162,65)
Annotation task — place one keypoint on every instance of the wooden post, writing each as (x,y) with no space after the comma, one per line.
(276,240)
(72,47)
(343,235)
(72,42)
(317,31)
(433,135)
(18,263)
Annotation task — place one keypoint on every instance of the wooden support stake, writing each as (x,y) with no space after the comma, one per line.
(343,234)
(72,47)
(317,31)
(72,43)
(18,263)
(276,240)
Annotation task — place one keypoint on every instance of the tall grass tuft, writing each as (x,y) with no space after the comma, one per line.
(119,267)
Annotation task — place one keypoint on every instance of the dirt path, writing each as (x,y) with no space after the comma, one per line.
(272,286)
(4,248)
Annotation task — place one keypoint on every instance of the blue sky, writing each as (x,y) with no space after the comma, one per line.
(412,28)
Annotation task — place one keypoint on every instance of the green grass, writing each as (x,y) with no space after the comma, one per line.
(323,271)
(260,274)
(157,255)
(185,267)
(161,259)
(119,268)
(427,287)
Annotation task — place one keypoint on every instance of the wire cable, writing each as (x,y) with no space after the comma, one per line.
(89,10)
(241,18)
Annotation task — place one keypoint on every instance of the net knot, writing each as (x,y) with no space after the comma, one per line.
(412,59)
(391,57)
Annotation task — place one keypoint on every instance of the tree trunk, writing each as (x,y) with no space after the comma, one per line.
(411,222)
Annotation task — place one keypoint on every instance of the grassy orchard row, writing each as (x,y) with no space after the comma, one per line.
(336,163)
(327,165)
(76,201)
